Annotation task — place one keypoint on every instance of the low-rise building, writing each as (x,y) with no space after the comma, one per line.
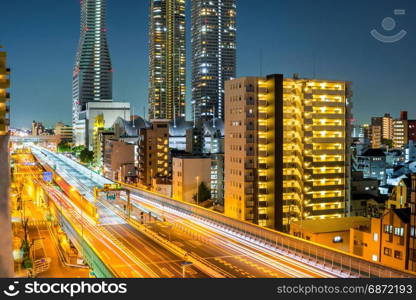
(64,131)
(189,172)
(119,161)
(373,164)
(386,241)
(334,233)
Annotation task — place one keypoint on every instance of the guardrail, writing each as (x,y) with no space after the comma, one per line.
(314,254)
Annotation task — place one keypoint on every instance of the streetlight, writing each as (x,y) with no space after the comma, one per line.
(197,190)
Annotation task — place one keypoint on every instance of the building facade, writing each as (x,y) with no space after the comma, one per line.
(92,75)
(213,55)
(167,59)
(401,131)
(188,172)
(6,259)
(118,158)
(64,131)
(153,152)
(286,149)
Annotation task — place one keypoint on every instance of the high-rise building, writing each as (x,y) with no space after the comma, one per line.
(6,258)
(92,75)
(387,127)
(4,95)
(167,59)
(286,149)
(213,55)
(400,133)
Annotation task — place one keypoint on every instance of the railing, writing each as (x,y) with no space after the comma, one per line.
(317,255)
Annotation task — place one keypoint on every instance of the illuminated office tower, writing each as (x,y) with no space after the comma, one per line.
(213,55)
(286,149)
(167,59)
(92,76)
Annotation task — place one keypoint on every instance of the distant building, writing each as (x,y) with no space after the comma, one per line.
(333,233)
(119,161)
(376,136)
(373,164)
(400,131)
(84,127)
(37,128)
(214,58)
(189,172)
(153,154)
(64,131)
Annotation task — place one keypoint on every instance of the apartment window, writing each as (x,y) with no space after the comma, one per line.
(375,237)
(387,251)
(413,231)
(399,231)
(398,254)
(388,229)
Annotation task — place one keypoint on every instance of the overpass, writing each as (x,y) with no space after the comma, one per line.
(41,139)
(269,242)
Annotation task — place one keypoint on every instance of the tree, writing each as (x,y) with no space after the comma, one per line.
(86,156)
(64,147)
(388,143)
(77,150)
(204,193)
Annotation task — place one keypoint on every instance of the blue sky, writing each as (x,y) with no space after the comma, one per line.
(326,38)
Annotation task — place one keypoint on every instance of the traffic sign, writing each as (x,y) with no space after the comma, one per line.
(47,176)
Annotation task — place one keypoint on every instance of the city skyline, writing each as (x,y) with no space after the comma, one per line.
(292,31)
(241,158)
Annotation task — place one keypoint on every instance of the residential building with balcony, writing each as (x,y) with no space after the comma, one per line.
(286,149)
(153,154)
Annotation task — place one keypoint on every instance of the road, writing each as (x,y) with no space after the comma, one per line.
(128,252)
(235,257)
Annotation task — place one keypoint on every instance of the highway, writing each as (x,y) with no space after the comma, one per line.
(128,252)
(234,257)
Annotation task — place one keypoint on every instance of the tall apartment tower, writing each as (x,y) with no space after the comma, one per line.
(286,149)
(167,59)
(92,76)
(6,259)
(213,55)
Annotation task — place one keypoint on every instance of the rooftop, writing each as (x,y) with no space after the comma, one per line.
(333,225)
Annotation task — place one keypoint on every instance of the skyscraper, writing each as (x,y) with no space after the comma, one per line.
(213,55)
(92,76)
(167,59)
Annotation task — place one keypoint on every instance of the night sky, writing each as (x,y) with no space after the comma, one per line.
(326,38)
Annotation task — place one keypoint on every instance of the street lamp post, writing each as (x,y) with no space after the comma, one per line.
(197,190)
